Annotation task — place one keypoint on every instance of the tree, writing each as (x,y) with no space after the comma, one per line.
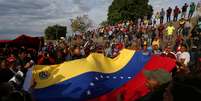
(103,23)
(129,10)
(81,23)
(55,32)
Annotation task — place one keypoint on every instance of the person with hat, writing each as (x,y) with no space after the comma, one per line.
(12,63)
(155,46)
(6,73)
(9,72)
(155,49)
(180,29)
(182,22)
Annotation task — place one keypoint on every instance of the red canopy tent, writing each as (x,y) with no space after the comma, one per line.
(5,41)
(24,40)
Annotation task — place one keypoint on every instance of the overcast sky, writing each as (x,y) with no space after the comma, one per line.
(33,16)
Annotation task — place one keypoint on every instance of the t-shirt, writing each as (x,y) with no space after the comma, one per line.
(176,11)
(162,13)
(170,30)
(184,8)
(169,11)
(186,56)
(192,8)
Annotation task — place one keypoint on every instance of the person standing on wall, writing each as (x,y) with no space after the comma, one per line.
(162,15)
(176,13)
(191,10)
(169,12)
(184,10)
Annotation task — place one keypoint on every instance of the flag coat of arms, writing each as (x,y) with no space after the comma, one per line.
(97,77)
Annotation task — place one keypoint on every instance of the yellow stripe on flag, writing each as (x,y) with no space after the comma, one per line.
(53,74)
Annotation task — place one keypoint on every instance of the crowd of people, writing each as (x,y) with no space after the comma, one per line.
(178,39)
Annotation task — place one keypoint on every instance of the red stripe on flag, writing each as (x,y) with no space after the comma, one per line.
(135,88)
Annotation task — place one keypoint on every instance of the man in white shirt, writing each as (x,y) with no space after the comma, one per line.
(184,58)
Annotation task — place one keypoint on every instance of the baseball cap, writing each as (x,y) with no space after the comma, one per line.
(11,59)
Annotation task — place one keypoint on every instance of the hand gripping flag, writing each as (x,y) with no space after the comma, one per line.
(97,77)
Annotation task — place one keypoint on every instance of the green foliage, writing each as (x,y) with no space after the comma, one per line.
(128,10)
(81,23)
(55,32)
(104,23)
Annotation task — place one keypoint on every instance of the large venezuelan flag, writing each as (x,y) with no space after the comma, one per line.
(97,77)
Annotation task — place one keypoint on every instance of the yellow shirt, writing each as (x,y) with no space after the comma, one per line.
(157,16)
(146,22)
(170,30)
